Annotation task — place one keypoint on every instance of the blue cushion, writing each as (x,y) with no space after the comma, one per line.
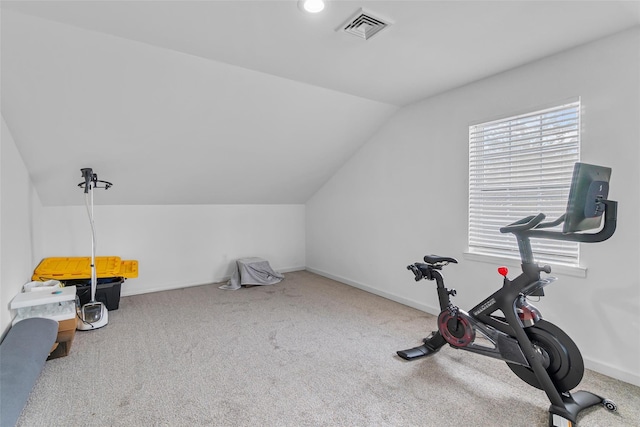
(23,352)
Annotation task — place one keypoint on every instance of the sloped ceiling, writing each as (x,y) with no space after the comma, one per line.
(224,102)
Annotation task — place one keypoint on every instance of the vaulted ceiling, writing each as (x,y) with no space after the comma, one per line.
(225,102)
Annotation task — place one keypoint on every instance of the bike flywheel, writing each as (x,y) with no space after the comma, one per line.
(561,357)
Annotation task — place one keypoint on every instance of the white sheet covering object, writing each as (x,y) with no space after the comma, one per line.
(252,271)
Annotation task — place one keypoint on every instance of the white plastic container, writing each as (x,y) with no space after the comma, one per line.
(57,304)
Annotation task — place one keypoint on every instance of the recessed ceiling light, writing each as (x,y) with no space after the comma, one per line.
(311,6)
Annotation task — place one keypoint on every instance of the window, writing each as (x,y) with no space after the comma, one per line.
(521,166)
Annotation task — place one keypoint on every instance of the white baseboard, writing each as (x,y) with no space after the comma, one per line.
(290,269)
(181,285)
(165,287)
(612,371)
(393,297)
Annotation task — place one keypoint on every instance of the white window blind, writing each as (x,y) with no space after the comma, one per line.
(521,166)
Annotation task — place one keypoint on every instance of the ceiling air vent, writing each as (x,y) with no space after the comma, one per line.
(364,25)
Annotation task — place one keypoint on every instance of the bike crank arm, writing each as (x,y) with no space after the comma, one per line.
(503,346)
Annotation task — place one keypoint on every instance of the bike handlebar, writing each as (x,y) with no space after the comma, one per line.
(553,223)
(532,226)
(416,271)
(524,224)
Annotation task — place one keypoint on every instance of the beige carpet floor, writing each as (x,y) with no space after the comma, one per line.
(308,351)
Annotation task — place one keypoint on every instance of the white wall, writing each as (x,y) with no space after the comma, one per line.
(404,195)
(179,246)
(19,224)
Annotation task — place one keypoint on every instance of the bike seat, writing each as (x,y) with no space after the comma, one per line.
(435,259)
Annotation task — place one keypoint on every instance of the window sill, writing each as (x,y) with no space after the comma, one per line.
(567,270)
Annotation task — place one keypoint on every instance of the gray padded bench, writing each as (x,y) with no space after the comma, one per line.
(23,352)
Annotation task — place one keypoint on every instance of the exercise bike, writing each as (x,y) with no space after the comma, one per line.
(506,326)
